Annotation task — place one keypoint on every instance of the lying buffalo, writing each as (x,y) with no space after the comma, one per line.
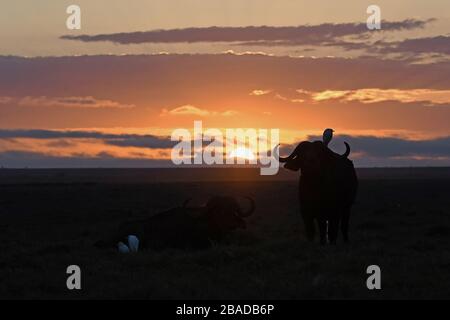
(186,227)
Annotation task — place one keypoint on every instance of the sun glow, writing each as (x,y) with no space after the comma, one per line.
(243,153)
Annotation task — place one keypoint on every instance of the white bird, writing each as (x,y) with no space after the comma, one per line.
(133,243)
(123,248)
(327,136)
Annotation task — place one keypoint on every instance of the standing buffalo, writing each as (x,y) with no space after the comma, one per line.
(187,227)
(327,188)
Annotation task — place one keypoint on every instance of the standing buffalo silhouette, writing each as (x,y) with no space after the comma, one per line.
(327,188)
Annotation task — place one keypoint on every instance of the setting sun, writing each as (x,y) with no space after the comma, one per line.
(225,156)
(243,153)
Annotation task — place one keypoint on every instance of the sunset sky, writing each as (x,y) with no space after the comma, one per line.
(110,94)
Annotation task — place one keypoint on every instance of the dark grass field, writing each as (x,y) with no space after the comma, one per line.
(51,219)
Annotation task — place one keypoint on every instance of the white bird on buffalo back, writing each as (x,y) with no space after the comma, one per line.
(327,136)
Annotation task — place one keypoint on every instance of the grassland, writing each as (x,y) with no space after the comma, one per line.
(50,221)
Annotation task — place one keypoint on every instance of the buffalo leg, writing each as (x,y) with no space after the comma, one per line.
(333,228)
(308,221)
(323,230)
(344,224)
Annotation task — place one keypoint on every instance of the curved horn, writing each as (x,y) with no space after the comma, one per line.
(250,211)
(283,159)
(347,150)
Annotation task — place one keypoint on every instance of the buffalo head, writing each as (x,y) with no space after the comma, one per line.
(311,157)
(223,214)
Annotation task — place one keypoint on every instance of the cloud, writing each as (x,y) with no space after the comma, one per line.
(438,44)
(366,151)
(148,142)
(427,97)
(229,113)
(375,95)
(372,150)
(217,83)
(122,140)
(248,53)
(186,110)
(5,100)
(60,143)
(21,159)
(391,147)
(260,92)
(254,35)
(329,94)
(192,74)
(65,102)
(189,110)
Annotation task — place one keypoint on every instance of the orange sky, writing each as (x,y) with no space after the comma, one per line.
(300,74)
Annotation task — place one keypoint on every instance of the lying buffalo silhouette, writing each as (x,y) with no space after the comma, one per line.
(186,227)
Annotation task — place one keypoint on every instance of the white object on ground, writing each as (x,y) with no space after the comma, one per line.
(133,243)
(123,248)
